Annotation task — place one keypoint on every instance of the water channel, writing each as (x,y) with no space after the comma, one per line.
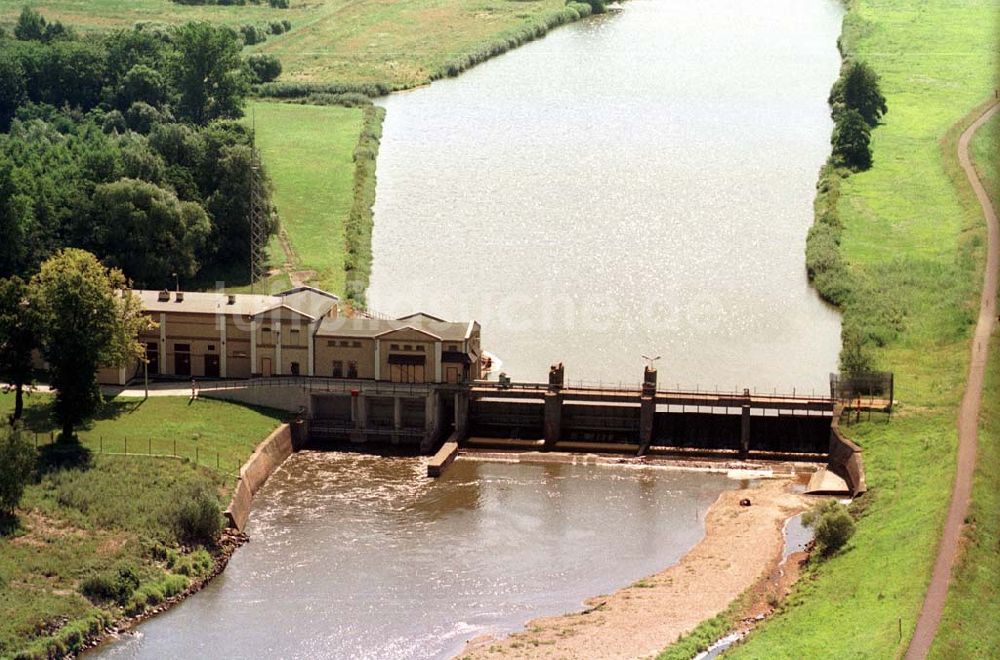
(636,183)
(640,182)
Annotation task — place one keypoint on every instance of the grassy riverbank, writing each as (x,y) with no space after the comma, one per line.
(113,516)
(912,243)
(322,162)
(970,627)
(394,45)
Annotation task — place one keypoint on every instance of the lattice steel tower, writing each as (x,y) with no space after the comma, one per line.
(258,216)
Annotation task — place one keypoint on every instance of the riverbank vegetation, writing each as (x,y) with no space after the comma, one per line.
(903,257)
(113,535)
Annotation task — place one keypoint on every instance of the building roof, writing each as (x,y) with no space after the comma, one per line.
(206,302)
(309,300)
(371,328)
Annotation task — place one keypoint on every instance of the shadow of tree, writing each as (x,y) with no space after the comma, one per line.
(63,455)
(9,525)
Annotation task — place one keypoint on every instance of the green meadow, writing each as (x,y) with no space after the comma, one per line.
(308,151)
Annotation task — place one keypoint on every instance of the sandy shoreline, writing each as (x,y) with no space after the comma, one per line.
(741,545)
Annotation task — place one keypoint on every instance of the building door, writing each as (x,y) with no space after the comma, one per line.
(211,366)
(182,359)
(153,358)
(295,368)
(265,367)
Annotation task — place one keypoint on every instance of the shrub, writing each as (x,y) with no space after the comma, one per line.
(198,520)
(851,140)
(832,524)
(116,586)
(17,463)
(264,68)
(253,34)
(278,4)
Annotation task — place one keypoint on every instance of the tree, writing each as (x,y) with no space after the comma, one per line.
(851,140)
(858,89)
(18,338)
(12,90)
(30,25)
(208,73)
(88,319)
(145,84)
(17,462)
(147,232)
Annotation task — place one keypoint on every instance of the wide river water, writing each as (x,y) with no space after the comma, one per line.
(356,556)
(640,182)
(636,183)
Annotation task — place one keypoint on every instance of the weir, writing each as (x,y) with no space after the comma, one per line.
(558,416)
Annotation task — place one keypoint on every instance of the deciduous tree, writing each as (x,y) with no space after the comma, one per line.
(18,338)
(208,72)
(851,140)
(17,461)
(88,318)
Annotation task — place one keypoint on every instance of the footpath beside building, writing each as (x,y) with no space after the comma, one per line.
(298,332)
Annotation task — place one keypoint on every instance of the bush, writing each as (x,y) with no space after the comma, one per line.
(253,34)
(17,464)
(198,520)
(832,524)
(278,4)
(264,68)
(116,586)
(852,140)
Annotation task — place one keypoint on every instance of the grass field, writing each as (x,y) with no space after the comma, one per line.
(308,151)
(115,512)
(401,44)
(968,629)
(913,236)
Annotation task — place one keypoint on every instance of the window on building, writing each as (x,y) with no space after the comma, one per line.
(345,343)
(356,344)
(211,347)
(295,368)
(182,348)
(331,342)
(394,347)
(338,369)
(420,347)
(452,347)
(352,369)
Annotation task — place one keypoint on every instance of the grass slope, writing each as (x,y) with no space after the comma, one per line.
(308,151)
(116,512)
(400,44)
(970,626)
(913,237)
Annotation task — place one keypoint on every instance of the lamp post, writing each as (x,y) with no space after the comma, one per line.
(650,360)
(177,283)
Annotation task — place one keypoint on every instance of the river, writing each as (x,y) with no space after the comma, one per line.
(637,183)
(358,556)
(640,182)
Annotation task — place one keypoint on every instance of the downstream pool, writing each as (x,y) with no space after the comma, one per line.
(357,556)
(637,183)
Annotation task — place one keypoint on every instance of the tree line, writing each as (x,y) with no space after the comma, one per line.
(127,145)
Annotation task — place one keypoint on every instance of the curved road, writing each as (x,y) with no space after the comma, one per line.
(968,413)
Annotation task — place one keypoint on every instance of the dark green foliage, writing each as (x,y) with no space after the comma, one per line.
(596,6)
(858,89)
(856,357)
(18,338)
(208,73)
(143,84)
(115,586)
(291,90)
(851,140)
(17,465)
(264,68)
(31,26)
(832,525)
(149,233)
(198,520)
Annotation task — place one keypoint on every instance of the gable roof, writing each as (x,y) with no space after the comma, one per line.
(421,317)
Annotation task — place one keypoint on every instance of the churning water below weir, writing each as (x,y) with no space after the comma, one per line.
(358,556)
(636,183)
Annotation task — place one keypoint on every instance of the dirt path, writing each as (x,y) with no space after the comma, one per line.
(968,414)
(741,545)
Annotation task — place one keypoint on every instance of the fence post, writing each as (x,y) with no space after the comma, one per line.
(149,446)
(196,457)
(175,447)
(126,445)
(101,449)
(216,460)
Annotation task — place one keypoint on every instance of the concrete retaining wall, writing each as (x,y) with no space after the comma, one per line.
(845,459)
(269,454)
(291,399)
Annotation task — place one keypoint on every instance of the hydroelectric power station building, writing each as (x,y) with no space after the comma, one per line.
(299,332)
